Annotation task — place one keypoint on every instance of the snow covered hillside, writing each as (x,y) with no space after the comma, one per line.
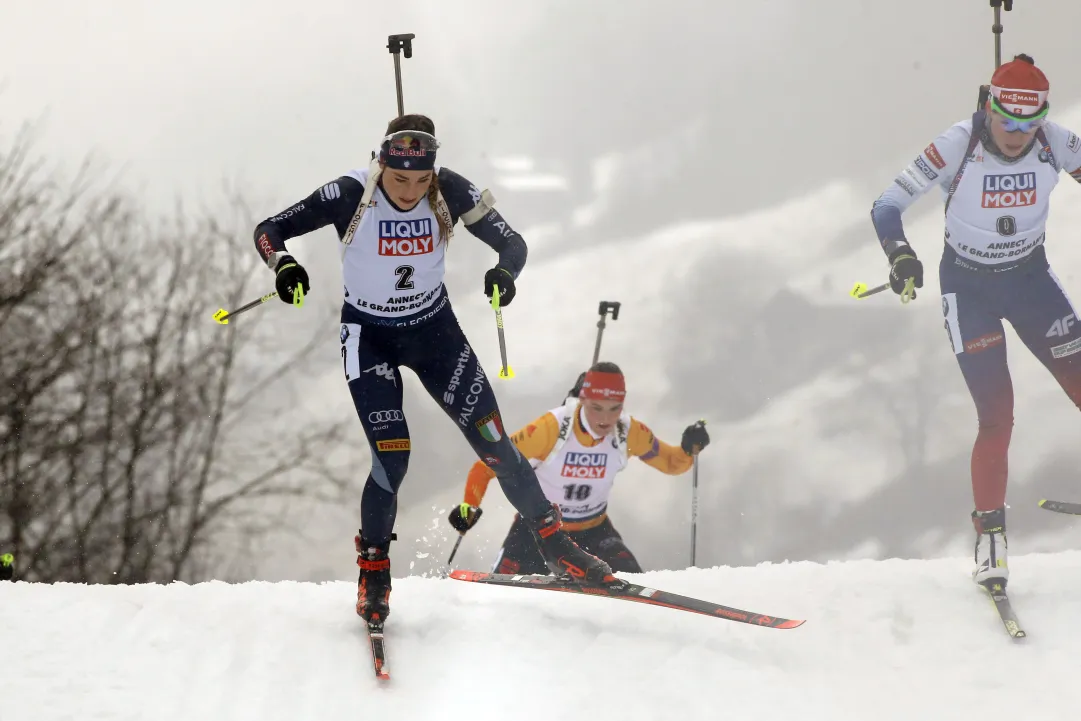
(883,640)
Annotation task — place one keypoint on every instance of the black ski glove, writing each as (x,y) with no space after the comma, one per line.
(504,281)
(695,438)
(291,281)
(464,516)
(7,567)
(904,265)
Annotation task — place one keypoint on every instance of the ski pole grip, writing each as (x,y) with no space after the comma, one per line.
(609,306)
(400,43)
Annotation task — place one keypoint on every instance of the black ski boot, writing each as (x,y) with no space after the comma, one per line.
(373,586)
(563,555)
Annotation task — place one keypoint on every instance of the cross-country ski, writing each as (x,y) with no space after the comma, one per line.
(625,591)
(1067,507)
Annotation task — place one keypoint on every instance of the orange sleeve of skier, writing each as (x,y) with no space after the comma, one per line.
(654,452)
(536,440)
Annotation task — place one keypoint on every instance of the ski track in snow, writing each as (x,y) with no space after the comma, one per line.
(883,640)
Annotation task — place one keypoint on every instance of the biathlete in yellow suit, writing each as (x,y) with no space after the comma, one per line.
(576,450)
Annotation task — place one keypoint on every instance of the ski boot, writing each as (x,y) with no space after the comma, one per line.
(991,569)
(373,586)
(563,556)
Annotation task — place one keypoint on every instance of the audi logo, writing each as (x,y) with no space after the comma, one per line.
(385,416)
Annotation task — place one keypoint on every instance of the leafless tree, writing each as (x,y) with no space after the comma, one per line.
(134,430)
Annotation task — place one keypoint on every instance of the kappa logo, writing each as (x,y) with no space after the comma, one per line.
(1061,327)
(1012,190)
(925,168)
(934,156)
(584,465)
(383,370)
(405,237)
(344,333)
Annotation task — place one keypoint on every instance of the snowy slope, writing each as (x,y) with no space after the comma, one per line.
(883,640)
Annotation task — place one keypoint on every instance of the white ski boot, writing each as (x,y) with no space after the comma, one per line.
(991,568)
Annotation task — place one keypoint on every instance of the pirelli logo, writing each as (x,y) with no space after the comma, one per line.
(396,444)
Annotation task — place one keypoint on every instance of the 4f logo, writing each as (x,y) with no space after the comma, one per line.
(1061,327)
(383,370)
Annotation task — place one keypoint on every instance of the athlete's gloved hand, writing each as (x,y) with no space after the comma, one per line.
(464,516)
(904,265)
(504,281)
(291,281)
(695,438)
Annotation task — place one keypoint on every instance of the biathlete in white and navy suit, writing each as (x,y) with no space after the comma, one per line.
(396,313)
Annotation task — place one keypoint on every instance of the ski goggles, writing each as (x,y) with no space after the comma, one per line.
(409,150)
(1014,124)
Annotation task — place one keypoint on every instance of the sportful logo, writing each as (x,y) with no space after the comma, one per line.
(405,237)
(330,191)
(584,465)
(456,378)
(1009,191)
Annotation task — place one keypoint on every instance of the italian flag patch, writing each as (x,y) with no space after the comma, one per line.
(490,427)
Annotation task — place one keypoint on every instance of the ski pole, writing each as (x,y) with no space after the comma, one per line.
(505,371)
(860,290)
(603,310)
(222,316)
(998,6)
(455,549)
(694,510)
(396,44)
(694,505)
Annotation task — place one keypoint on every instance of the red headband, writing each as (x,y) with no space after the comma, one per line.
(603,386)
